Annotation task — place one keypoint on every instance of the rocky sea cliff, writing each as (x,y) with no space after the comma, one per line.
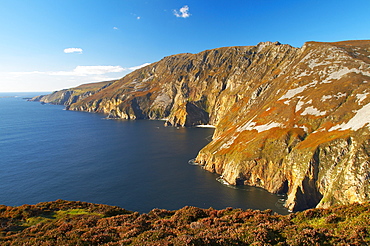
(289,120)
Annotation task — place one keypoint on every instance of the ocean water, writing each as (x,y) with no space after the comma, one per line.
(47,153)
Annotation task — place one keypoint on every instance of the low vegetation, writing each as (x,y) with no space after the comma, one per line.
(79,223)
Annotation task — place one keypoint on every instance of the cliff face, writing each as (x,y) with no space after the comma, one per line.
(189,89)
(289,120)
(304,132)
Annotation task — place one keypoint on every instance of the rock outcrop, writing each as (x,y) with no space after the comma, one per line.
(289,120)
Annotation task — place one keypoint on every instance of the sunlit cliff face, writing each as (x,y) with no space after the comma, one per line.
(290,120)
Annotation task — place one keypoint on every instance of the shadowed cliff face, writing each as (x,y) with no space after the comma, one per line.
(289,120)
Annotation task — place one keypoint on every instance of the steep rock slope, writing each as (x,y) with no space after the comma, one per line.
(305,132)
(189,89)
(289,120)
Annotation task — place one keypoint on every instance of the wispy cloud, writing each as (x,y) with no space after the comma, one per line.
(56,80)
(137,17)
(138,67)
(85,70)
(73,50)
(90,70)
(115,28)
(182,12)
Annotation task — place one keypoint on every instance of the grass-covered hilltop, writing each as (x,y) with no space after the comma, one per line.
(80,223)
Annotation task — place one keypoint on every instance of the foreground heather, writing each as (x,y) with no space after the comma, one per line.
(80,223)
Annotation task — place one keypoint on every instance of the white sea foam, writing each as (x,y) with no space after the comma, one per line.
(205,126)
(193,163)
(224,182)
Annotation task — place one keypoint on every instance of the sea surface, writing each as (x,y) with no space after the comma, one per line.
(48,153)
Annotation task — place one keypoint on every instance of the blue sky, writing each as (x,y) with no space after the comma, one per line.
(49,45)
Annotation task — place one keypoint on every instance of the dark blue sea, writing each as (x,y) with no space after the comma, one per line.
(48,153)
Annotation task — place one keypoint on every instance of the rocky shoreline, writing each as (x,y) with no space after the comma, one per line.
(289,120)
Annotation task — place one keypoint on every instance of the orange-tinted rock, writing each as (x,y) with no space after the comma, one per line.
(287,119)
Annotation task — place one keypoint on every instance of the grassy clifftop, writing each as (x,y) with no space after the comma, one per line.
(80,223)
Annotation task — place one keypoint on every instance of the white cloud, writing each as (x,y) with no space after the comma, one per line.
(138,18)
(85,70)
(73,50)
(138,67)
(115,28)
(90,70)
(56,80)
(183,12)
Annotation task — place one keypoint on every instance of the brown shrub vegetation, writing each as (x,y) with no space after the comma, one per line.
(79,223)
